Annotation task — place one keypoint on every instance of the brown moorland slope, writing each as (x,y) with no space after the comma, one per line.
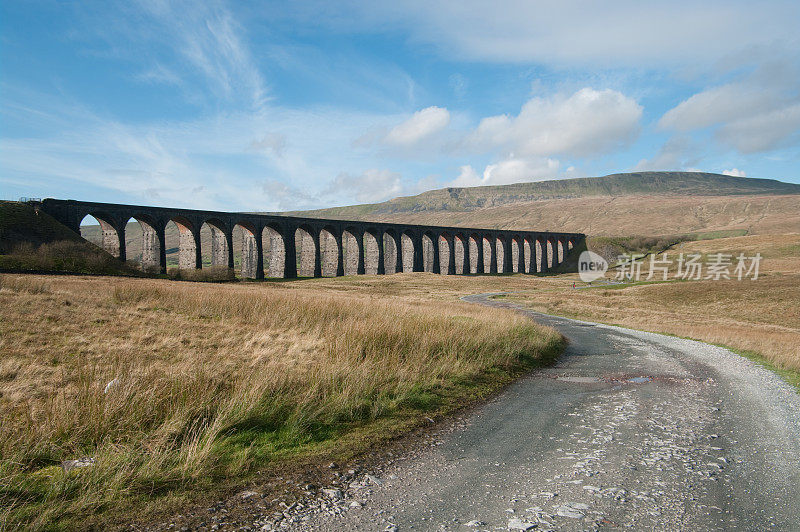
(628,184)
(627,215)
(644,203)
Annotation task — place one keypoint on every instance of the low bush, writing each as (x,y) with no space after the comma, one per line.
(206,274)
(612,247)
(62,256)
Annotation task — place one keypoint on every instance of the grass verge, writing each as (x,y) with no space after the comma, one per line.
(775,354)
(791,376)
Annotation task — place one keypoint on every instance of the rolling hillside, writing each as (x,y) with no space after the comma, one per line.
(647,203)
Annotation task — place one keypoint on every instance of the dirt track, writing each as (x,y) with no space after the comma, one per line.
(629,429)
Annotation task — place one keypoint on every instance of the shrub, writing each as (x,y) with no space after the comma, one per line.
(62,256)
(207,274)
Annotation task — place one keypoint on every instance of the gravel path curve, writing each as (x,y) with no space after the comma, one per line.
(629,430)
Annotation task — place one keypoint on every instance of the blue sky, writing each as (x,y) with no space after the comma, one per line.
(292,105)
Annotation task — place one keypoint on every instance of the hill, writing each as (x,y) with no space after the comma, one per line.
(20,223)
(649,203)
(31,240)
(614,185)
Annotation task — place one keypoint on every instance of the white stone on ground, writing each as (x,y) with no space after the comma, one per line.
(519,524)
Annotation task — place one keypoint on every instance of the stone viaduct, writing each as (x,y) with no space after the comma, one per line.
(319,247)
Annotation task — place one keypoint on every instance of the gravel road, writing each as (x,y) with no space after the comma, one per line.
(629,430)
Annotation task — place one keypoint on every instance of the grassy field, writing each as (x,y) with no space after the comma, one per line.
(216,383)
(177,389)
(758,318)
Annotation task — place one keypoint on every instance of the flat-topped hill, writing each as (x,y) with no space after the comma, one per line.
(650,203)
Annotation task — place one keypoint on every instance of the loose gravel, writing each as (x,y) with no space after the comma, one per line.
(629,430)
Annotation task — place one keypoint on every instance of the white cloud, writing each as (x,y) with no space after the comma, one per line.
(735,172)
(159,74)
(203,45)
(763,132)
(759,112)
(371,186)
(508,171)
(286,197)
(714,106)
(584,31)
(421,125)
(429,182)
(587,122)
(467,178)
(79,152)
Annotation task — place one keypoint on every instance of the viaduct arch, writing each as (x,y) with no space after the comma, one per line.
(291,246)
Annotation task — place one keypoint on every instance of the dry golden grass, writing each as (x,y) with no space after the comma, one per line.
(215,380)
(762,316)
(212,381)
(781,252)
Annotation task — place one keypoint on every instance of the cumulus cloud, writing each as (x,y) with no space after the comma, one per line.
(508,171)
(735,172)
(371,186)
(421,125)
(715,105)
(585,123)
(756,113)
